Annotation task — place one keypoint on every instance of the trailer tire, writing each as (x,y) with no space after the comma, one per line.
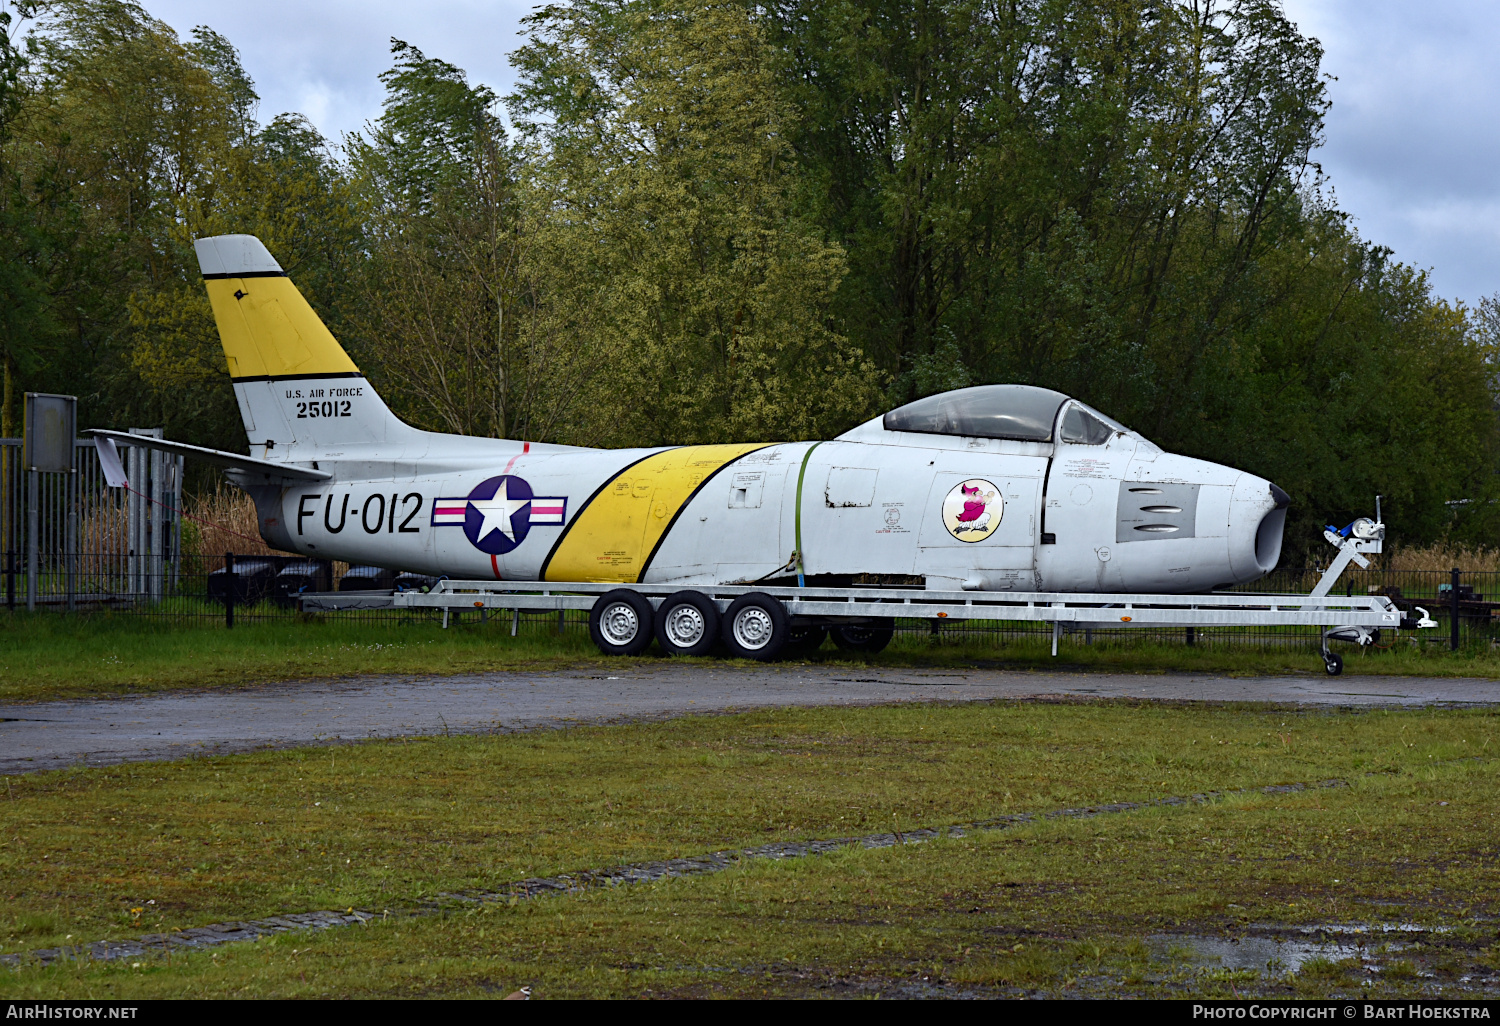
(864,638)
(1334,664)
(687,624)
(802,642)
(620,622)
(755,626)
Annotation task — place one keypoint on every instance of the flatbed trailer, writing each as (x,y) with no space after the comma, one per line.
(760,622)
(623,617)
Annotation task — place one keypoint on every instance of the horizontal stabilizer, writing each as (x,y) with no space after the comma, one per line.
(228,460)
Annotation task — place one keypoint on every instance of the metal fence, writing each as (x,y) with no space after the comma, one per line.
(190,589)
(71,543)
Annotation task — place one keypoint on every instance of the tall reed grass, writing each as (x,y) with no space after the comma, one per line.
(1440,557)
(226,522)
(223,521)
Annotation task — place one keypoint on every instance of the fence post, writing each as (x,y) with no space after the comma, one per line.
(70,534)
(175,499)
(10,579)
(230,578)
(1453,608)
(33,546)
(133,472)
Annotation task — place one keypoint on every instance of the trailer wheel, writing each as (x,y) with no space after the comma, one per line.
(687,624)
(866,638)
(1334,664)
(620,622)
(756,627)
(802,642)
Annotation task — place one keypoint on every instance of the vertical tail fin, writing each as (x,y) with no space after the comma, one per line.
(300,395)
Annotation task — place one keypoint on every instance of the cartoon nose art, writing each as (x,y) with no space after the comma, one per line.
(973,510)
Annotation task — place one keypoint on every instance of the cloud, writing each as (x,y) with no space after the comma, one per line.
(322,58)
(1409,149)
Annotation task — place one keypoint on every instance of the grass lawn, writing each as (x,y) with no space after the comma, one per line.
(1100,906)
(47,655)
(50,656)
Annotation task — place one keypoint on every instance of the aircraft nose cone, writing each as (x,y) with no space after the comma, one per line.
(1256,522)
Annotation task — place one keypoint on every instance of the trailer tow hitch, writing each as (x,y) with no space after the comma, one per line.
(1361,536)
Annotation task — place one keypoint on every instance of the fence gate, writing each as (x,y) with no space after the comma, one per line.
(70,541)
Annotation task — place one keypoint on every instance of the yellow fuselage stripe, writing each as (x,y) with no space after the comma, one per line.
(613,538)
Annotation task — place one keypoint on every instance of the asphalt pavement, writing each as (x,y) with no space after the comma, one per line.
(49,735)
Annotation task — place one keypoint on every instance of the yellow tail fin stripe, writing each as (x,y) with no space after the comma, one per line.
(613,538)
(271,331)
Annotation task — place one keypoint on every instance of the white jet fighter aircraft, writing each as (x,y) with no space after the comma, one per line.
(991,488)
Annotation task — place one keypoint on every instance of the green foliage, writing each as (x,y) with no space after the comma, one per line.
(1116,200)
(661,131)
(448,318)
(23,308)
(128,143)
(434,130)
(218,57)
(279,183)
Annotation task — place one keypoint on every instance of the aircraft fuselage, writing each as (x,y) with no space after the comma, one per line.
(878,506)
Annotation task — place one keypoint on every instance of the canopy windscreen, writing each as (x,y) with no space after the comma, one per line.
(1022,412)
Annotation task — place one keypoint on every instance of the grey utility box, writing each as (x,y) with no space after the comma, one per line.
(51,424)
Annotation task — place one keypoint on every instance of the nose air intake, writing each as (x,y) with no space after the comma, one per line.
(1268,534)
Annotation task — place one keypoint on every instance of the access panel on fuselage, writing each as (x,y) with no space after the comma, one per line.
(731,530)
(861,508)
(1080,515)
(617,534)
(980,522)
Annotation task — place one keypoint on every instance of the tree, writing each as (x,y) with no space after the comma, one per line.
(727,222)
(1117,199)
(128,144)
(281,184)
(118,134)
(449,318)
(659,136)
(23,306)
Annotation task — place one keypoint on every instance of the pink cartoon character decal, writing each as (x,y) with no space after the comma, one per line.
(973,514)
(972,510)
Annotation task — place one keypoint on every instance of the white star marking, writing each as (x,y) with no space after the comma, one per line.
(497,512)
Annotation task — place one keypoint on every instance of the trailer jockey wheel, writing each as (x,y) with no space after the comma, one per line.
(687,624)
(1334,664)
(620,622)
(756,627)
(867,638)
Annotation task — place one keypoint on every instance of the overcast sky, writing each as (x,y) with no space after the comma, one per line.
(1412,141)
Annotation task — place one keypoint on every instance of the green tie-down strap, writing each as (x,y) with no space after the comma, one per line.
(797,556)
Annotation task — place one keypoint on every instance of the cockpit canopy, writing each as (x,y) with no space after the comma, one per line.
(1021,412)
